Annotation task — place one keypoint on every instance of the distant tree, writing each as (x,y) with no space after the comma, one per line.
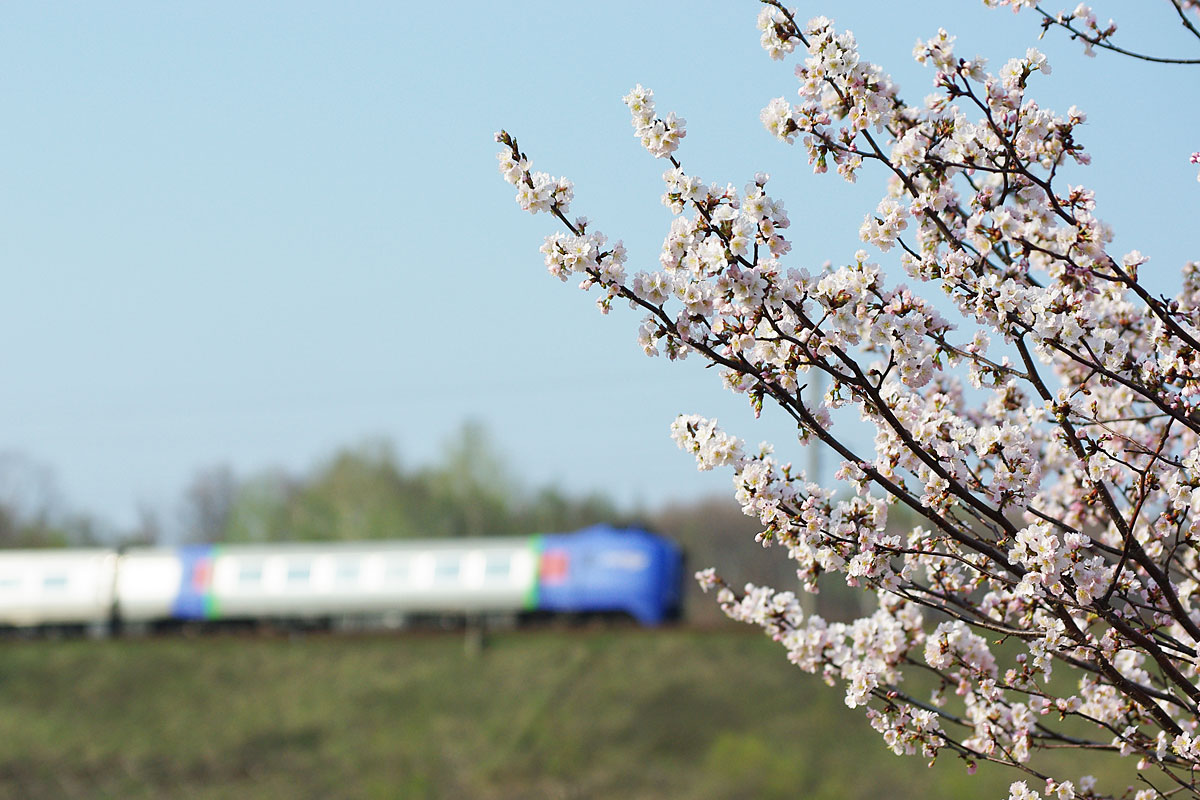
(359,493)
(19,531)
(148,530)
(550,510)
(31,508)
(471,488)
(363,492)
(29,502)
(208,503)
(260,509)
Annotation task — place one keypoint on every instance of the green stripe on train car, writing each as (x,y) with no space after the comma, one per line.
(531,594)
(211,608)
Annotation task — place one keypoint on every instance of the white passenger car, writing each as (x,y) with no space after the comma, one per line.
(56,587)
(148,582)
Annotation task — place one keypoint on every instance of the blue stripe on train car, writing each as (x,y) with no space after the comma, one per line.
(194,600)
(609,569)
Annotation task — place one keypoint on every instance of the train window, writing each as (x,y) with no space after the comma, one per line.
(299,572)
(55,581)
(250,573)
(445,569)
(396,571)
(9,582)
(497,566)
(347,572)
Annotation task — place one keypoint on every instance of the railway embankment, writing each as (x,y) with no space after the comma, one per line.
(584,713)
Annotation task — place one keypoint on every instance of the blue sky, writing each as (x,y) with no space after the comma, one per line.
(251,233)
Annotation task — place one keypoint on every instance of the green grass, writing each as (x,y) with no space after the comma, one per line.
(597,714)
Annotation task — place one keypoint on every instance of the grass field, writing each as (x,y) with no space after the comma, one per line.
(617,713)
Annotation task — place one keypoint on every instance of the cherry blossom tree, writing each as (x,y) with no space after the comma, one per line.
(1051,451)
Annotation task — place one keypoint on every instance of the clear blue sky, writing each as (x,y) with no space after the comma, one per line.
(250,233)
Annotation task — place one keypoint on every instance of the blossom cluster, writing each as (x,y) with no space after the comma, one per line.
(659,136)
(1033,481)
(536,191)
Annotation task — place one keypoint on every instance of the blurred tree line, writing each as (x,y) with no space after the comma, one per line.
(31,511)
(365,492)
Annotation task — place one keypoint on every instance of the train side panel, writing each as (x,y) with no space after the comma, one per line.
(56,587)
(148,582)
(322,580)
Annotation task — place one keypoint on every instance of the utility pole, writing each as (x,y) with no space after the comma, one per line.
(816,392)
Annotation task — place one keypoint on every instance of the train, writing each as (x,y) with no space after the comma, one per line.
(597,570)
